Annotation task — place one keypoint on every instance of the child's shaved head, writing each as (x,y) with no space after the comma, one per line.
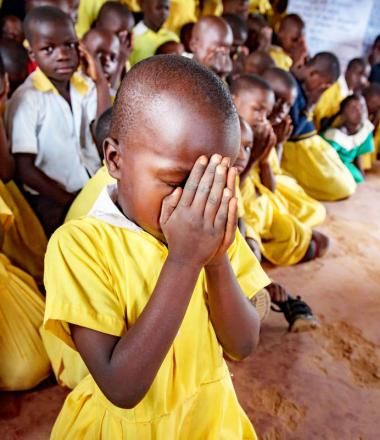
(246,82)
(168,112)
(258,62)
(44,15)
(291,32)
(357,74)
(326,64)
(168,74)
(15,59)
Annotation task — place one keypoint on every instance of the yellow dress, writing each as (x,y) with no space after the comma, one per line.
(283,239)
(25,241)
(181,12)
(24,363)
(370,158)
(318,169)
(192,395)
(307,210)
(146,42)
(280,57)
(329,103)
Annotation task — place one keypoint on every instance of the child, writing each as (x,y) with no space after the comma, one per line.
(307,156)
(350,134)
(239,50)
(149,274)
(149,34)
(11,28)
(372,97)
(291,37)
(15,59)
(24,363)
(284,240)
(306,209)
(258,62)
(374,59)
(104,46)
(297,313)
(49,117)
(236,7)
(354,80)
(116,18)
(259,33)
(211,43)
(171,47)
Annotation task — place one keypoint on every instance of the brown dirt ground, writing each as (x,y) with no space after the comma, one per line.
(318,385)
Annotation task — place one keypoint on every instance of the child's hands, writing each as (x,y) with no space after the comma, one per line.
(264,141)
(199,220)
(283,130)
(91,66)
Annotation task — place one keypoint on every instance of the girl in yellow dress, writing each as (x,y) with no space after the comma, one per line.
(141,287)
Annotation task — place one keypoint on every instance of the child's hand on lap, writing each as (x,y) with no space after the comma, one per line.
(199,222)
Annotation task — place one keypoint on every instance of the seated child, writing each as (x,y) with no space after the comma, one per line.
(259,34)
(149,33)
(24,363)
(306,209)
(170,47)
(104,46)
(292,52)
(354,80)
(113,278)
(239,50)
(211,43)
(49,117)
(16,60)
(282,238)
(258,62)
(372,97)
(350,134)
(307,156)
(11,28)
(297,313)
(116,18)
(185,35)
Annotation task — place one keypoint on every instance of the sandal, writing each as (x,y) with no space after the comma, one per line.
(298,314)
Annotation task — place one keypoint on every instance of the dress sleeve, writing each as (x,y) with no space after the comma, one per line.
(249,273)
(79,284)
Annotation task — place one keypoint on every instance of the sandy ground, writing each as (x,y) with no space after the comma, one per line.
(318,385)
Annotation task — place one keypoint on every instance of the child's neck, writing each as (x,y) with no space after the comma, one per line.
(150,25)
(63,88)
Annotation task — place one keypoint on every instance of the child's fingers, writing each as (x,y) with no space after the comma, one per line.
(193,181)
(169,204)
(216,194)
(231,180)
(206,184)
(222,214)
(232,221)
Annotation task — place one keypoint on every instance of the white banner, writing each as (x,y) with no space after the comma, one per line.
(344,27)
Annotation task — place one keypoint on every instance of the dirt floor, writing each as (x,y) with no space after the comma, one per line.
(319,385)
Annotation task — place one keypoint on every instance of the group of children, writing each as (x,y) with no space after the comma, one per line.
(174,176)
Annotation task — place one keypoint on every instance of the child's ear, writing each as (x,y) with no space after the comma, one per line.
(31,53)
(193,44)
(112,157)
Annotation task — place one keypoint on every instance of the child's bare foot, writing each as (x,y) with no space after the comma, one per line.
(318,247)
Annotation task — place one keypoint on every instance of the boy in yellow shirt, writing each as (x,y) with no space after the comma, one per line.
(149,33)
(152,256)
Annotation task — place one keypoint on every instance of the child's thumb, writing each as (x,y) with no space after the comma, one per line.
(169,204)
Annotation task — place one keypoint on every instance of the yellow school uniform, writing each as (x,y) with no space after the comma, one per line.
(260,6)
(307,210)
(370,158)
(146,41)
(87,14)
(88,195)
(329,103)
(280,57)
(67,364)
(24,363)
(318,169)
(94,278)
(25,241)
(181,12)
(283,239)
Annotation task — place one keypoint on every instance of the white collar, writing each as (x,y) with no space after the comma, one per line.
(343,86)
(105,210)
(349,142)
(140,29)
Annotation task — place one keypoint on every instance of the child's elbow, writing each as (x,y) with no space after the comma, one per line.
(125,399)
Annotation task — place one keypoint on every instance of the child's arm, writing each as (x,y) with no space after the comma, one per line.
(6,158)
(33,177)
(359,164)
(194,222)
(94,71)
(234,318)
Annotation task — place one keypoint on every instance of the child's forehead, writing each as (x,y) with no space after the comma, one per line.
(54,31)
